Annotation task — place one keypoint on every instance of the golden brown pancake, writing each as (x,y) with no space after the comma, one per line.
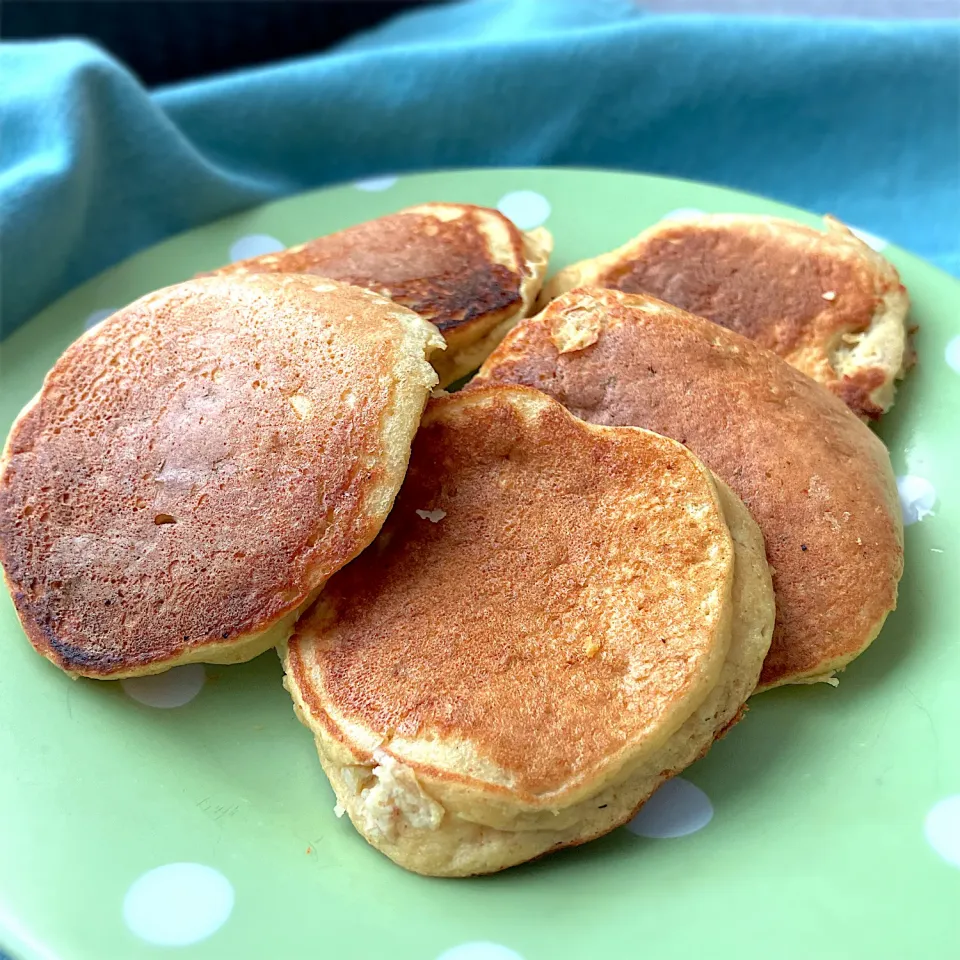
(197,466)
(824,301)
(467,269)
(815,478)
(555,617)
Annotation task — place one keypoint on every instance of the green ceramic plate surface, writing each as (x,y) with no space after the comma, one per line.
(188,817)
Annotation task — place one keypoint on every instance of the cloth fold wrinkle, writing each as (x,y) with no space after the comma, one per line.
(858,119)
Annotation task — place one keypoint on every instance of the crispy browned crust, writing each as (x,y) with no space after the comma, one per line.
(791,288)
(443,269)
(196,466)
(539,606)
(816,479)
(855,391)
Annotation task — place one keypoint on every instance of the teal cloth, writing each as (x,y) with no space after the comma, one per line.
(861,119)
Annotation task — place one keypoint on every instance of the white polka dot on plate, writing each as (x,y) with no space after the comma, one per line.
(375,184)
(98,316)
(917,498)
(255,245)
(171,689)
(676,809)
(942,829)
(480,950)
(953,353)
(526,208)
(177,904)
(870,239)
(683,213)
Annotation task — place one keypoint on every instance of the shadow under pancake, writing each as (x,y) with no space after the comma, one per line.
(911,625)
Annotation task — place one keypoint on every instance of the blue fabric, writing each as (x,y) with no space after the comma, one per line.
(859,118)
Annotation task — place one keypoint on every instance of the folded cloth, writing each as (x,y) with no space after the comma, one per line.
(858,118)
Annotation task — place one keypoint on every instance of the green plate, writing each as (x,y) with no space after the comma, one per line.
(187,815)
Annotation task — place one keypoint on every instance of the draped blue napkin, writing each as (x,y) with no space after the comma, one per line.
(858,118)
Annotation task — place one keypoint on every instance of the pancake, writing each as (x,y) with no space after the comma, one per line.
(555,618)
(467,269)
(814,477)
(824,301)
(196,467)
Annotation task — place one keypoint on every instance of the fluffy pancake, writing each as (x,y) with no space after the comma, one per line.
(467,269)
(555,617)
(824,301)
(197,466)
(815,478)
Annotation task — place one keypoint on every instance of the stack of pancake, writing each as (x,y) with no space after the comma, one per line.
(507,614)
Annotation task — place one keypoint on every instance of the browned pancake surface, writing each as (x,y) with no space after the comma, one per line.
(443,269)
(795,290)
(565,601)
(195,466)
(816,479)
